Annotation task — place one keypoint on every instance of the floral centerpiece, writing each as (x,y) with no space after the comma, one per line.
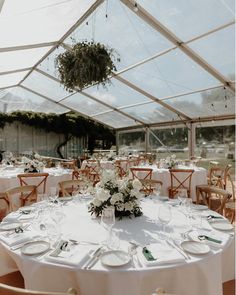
(171,161)
(124,195)
(32,166)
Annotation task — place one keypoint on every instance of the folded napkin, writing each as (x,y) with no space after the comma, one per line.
(163,254)
(18,216)
(76,256)
(221,239)
(15,238)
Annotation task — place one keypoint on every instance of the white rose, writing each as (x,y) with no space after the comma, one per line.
(116,198)
(102,195)
(137,184)
(128,206)
(120,207)
(96,202)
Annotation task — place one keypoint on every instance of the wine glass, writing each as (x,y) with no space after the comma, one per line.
(108,221)
(53,194)
(164,216)
(182,195)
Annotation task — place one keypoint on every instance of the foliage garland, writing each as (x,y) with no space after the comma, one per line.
(85,64)
(69,123)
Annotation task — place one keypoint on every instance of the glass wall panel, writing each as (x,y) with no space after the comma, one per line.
(168,141)
(190,18)
(151,113)
(218,50)
(20,99)
(115,120)
(131,142)
(117,94)
(122,30)
(170,74)
(11,79)
(45,86)
(84,104)
(19,59)
(213,102)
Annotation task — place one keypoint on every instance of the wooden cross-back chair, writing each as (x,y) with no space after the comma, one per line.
(10,290)
(81,174)
(68,164)
(38,179)
(26,195)
(69,186)
(142,174)
(180,179)
(122,167)
(151,185)
(94,168)
(214,197)
(4,206)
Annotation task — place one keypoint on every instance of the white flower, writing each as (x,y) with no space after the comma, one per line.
(137,184)
(25,160)
(102,194)
(128,206)
(96,202)
(116,198)
(173,156)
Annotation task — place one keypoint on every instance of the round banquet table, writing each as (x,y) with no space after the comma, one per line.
(8,177)
(201,274)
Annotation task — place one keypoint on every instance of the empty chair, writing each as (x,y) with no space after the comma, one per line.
(9,290)
(4,206)
(21,196)
(151,186)
(180,179)
(122,167)
(215,198)
(38,179)
(94,170)
(142,174)
(68,164)
(67,187)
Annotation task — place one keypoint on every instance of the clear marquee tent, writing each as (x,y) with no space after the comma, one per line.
(177,59)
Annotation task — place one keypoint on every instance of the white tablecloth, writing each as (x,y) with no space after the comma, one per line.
(104,164)
(199,177)
(8,177)
(202,274)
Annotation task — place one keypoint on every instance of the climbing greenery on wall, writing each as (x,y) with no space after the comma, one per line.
(68,124)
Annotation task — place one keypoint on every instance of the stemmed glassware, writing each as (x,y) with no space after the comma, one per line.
(53,194)
(108,221)
(164,216)
(182,195)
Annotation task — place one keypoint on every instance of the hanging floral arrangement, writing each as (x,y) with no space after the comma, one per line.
(86,64)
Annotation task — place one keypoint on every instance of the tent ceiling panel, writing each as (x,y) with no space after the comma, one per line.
(206,103)
(19,59)
(45,86)
(30,22)
(84,105)
(218,49)
(190,18)
(151,113)
(122,30)
(20,99)
(170,74)
(117,94)
(11,79)
(116,120)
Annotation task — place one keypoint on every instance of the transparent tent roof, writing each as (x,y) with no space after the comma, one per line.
(177,59)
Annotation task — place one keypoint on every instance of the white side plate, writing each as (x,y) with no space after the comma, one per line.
(221,225)
(115,258)
(36,247)
(194,247)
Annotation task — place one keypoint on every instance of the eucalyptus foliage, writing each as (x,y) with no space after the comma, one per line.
(85,64)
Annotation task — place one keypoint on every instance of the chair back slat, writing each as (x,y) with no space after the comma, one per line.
(38,179)
(180,179)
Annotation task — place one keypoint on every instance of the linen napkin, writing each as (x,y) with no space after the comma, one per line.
(76,256)
(223,237)
(15,238)
(18,216)
(163,254)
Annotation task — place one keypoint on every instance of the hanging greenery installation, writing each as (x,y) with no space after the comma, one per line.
(86,64)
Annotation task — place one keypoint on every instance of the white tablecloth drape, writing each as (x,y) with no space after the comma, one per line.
(202,274)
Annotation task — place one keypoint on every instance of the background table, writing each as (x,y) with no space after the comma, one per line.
(203,274)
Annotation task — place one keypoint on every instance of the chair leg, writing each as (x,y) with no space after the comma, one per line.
(13,279)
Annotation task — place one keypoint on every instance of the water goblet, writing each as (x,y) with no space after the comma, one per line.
(108,221)
(53,194)
(164,216)
(182,196)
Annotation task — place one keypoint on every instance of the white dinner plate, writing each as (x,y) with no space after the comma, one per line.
(115,258)
(9,226)
(195,247)
(35,247)
(200,207)
(221,225)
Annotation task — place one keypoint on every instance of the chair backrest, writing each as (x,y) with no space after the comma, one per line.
(4,206)
(141,173)
(68,164)
(215,198)
(151,185)
(38,179)
(21,196)
(216,176)
(122,167)
(180,179)
(69,186)
(81,174)
(9,290)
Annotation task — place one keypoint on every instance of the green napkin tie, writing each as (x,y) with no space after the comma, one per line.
(148,254)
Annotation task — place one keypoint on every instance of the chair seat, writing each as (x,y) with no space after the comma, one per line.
(230,205)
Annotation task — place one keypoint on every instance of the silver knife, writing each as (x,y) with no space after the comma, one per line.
(93,257)
(178,249)
(95,260)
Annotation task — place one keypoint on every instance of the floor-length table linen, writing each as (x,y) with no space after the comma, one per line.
(201,275)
